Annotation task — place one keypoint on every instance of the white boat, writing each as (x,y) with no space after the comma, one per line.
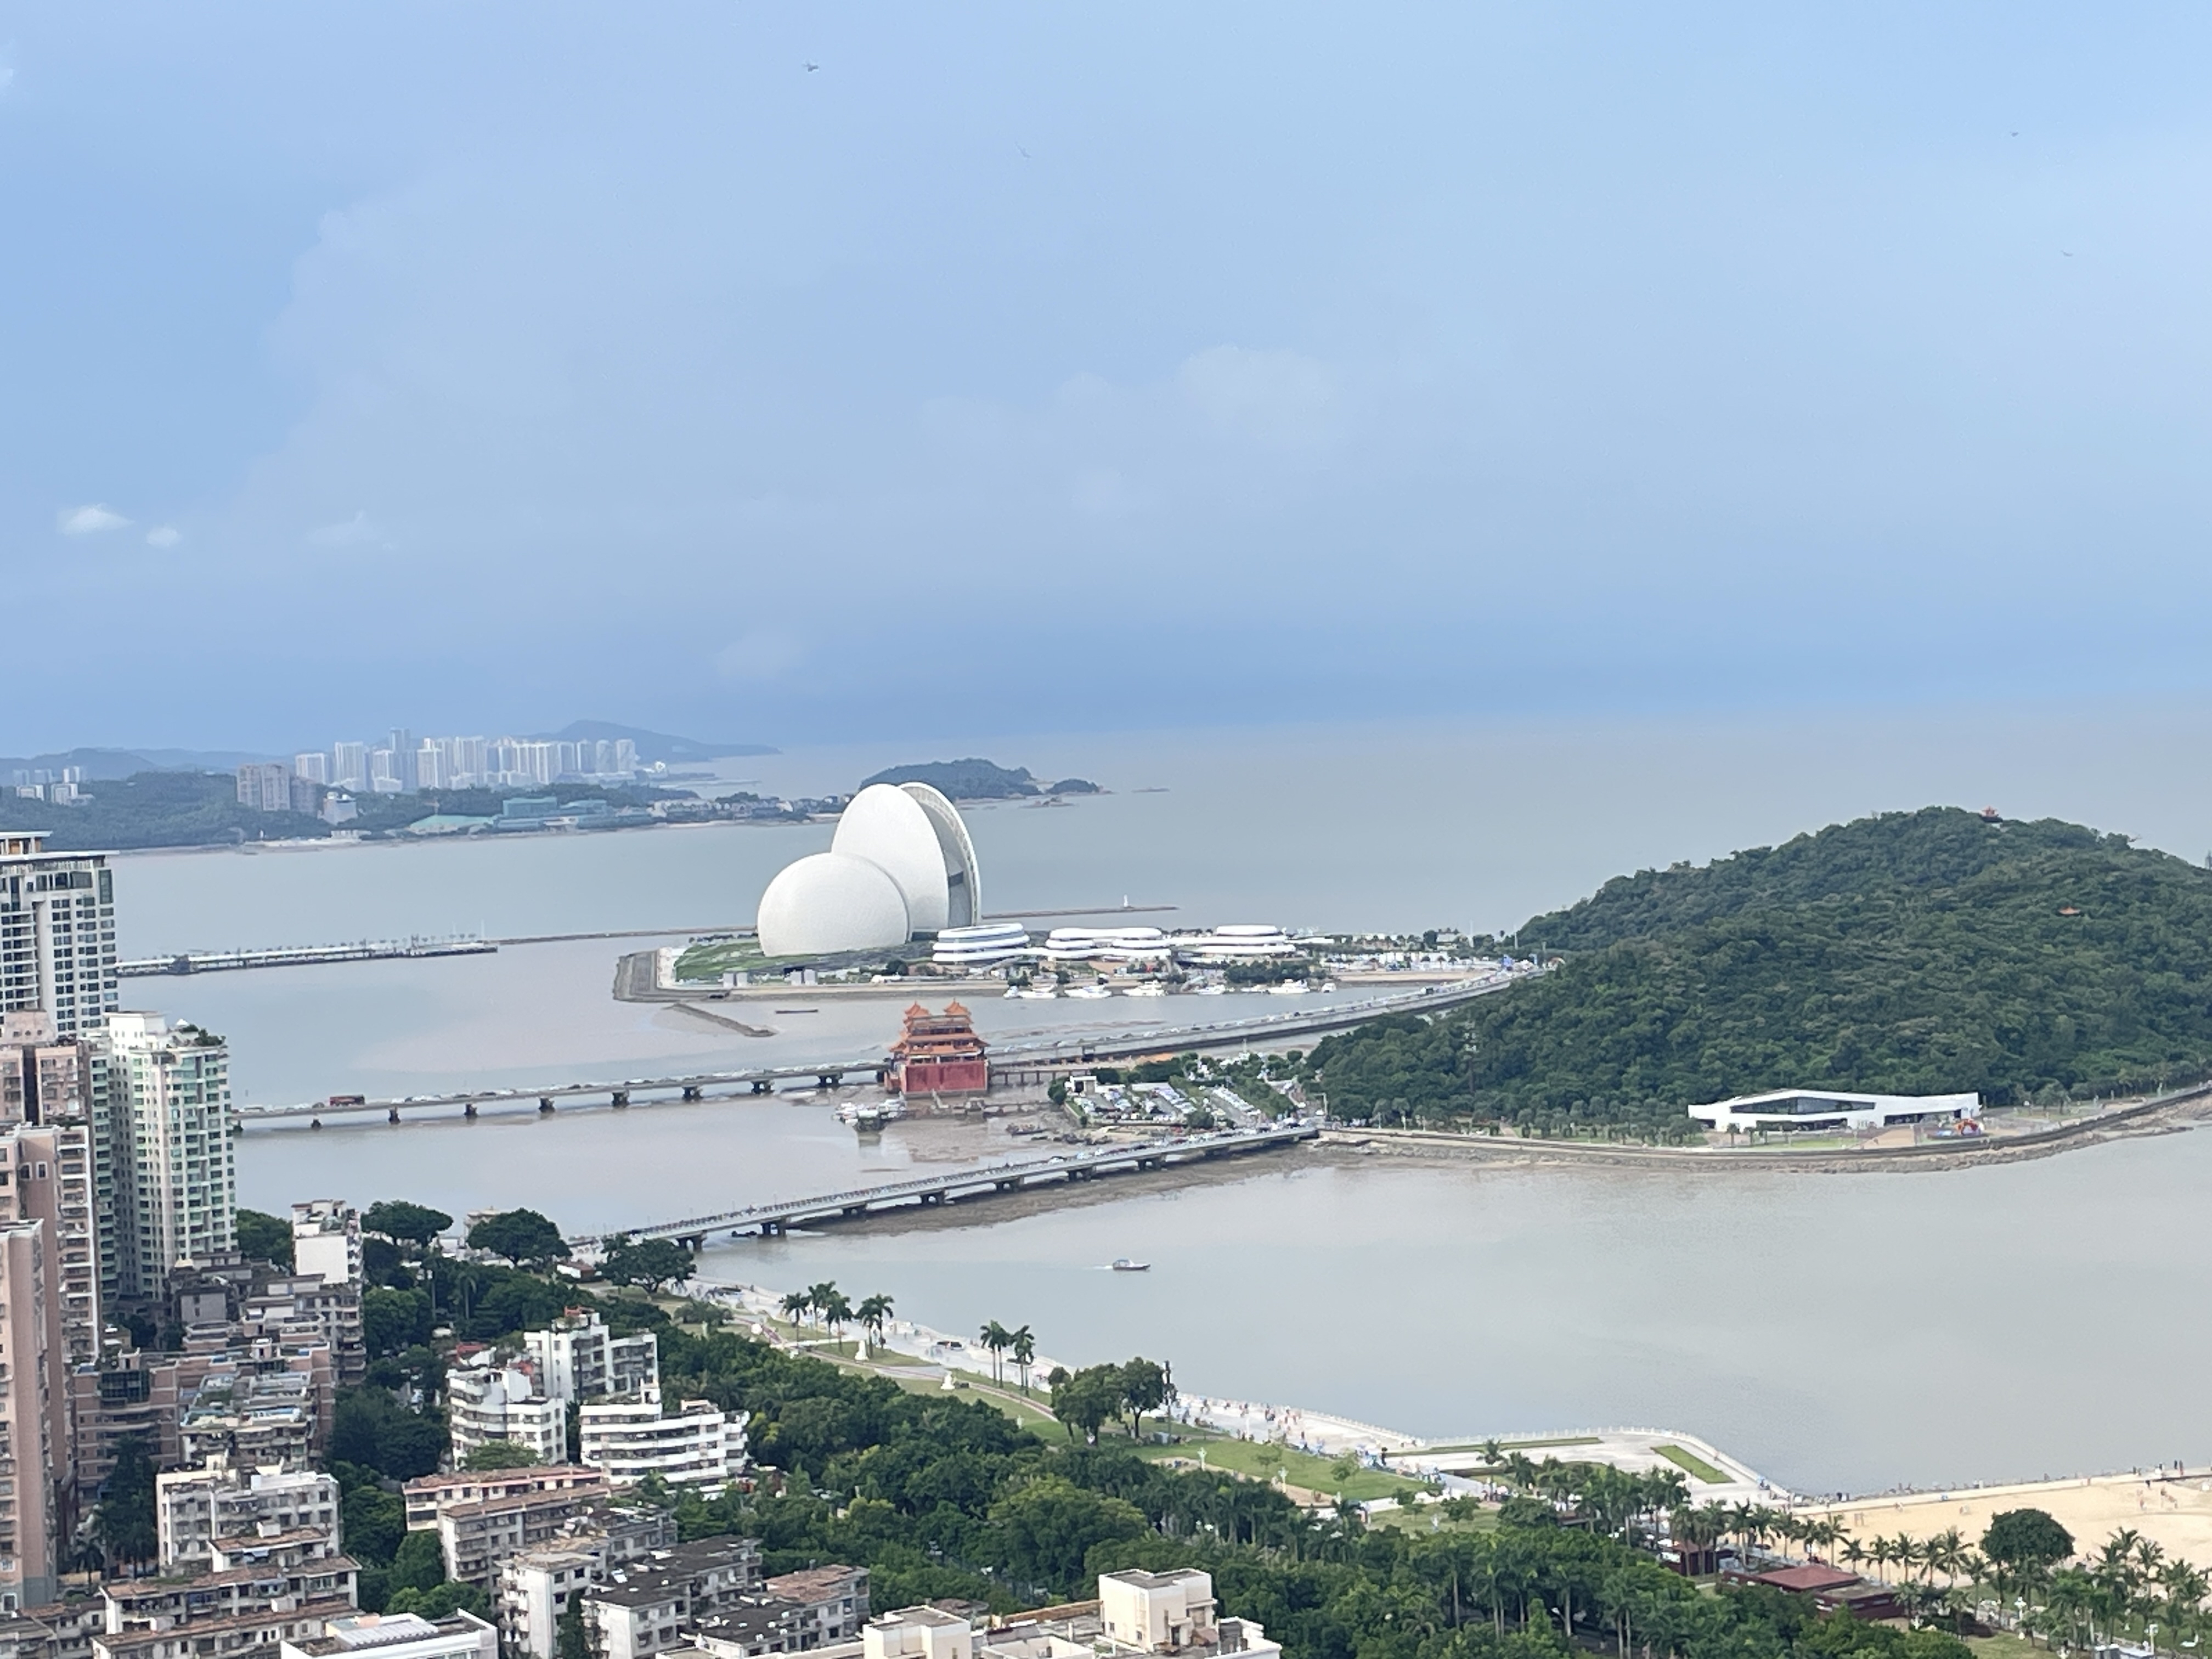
(867,1116)
(1150,988)
(1123,1265)
(1092,993)
(1289,987)
(1034,993)
(1212,990)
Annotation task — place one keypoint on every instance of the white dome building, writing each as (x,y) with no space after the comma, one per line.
(900,864)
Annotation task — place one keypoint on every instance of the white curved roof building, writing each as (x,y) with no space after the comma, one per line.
(900,865)
(1237,942)
(982,946)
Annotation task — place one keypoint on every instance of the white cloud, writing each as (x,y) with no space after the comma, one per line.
(761,654)
(164,535)
(88,521)
(1276,396)
(356,532)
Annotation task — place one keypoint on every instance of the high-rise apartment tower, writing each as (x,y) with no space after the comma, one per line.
(57,933)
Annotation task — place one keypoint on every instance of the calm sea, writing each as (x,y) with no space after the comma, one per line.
(1837,1332)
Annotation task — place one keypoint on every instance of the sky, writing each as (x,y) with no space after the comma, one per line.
(826,373)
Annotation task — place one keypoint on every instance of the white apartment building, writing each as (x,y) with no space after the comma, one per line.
(326,1240)
(397,1636)
(196,1508)
(265,786)
(1138,1613)
(700,1445)
(161,1126)
(577,1359)
(349,765)
(314,766)
(57,933)
(536,1586)
(486,1402)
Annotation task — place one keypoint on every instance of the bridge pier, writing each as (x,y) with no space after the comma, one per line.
(762,1085)
(829,1079)
(546,1105)
(622,1097)
(695,1243)
(468,1109)
(393,1116)
(932,1198)
(690,1091)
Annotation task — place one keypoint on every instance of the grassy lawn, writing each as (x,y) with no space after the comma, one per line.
(1263,1460)
(2005,1645)
(1430,1517)
(1690,1464)
(1518,1445)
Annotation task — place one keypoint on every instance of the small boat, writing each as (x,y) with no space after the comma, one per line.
(1149,988)
(1212,990)
(870,1116)
(1092,993)
(1034,993)
(1289,987)
(1123,1265)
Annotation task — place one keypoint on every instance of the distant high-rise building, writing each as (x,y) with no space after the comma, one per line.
(349,765)
(468,761)
(161,1123)
(430,769)
(57,933)
(313,765)
(403,756)
(384,772)
(265,786)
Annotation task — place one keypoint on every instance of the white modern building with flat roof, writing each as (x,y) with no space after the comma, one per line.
(629,1439)
(486,1402)
(1831,1108)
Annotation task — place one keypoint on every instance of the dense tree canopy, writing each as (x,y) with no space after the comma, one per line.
(264,1238)
(1918,952)
(523,1236)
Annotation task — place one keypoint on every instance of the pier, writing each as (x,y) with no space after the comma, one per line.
(770,1220)
(305,956)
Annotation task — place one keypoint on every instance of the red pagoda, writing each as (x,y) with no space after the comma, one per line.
(940,1053)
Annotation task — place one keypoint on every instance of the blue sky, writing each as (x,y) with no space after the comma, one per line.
(485,367)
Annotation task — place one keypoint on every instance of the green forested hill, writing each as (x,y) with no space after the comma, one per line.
(1913,952)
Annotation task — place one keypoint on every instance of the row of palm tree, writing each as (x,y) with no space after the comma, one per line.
(830,1307)
(1001,1342)
(2131,1586)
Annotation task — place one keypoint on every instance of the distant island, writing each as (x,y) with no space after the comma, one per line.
(1911,953)
(980,779)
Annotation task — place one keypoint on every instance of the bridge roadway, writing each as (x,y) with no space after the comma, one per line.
(927,1191)
(1011,1063)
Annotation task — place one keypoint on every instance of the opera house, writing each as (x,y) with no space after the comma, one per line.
(900,867)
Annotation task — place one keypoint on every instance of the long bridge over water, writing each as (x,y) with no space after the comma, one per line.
(1014,1063)
(925,1192)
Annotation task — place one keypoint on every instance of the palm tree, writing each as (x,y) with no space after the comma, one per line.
(998,1339)
(1023,1344)
(836,1308)
(1854,1552)
(874,1313)
(796,1304)
(819,1295)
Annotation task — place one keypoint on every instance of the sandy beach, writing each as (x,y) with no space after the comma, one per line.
(2172,1507)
